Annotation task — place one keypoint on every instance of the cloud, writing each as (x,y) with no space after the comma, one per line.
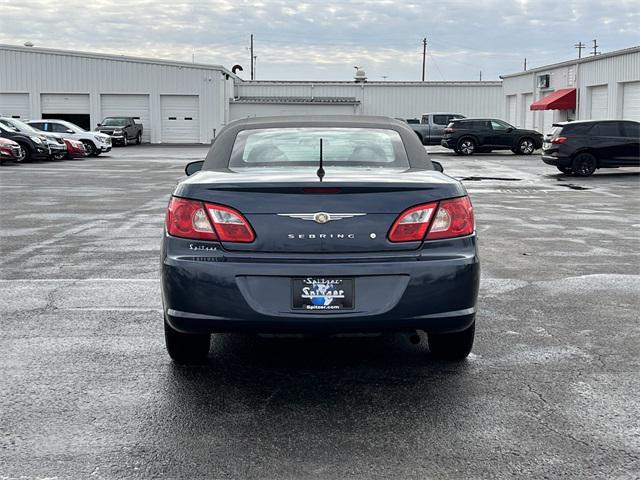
(325,39)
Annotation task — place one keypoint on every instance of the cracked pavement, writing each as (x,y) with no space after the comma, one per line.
(551,389)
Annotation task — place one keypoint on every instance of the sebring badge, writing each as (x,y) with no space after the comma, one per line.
(321,217)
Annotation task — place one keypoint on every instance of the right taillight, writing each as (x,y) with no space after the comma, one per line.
(449,130)
(434,221)
(558,140)
(453,219)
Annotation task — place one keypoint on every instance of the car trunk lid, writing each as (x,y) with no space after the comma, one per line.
(351,211)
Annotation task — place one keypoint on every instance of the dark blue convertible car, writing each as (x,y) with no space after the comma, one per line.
(328,224)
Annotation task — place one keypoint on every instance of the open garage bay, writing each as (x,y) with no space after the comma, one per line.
(88,391)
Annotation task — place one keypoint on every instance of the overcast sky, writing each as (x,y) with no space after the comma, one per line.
(324,40)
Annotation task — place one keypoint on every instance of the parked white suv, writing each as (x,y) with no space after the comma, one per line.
(95,142)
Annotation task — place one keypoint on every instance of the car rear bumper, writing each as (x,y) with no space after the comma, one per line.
(556,160)
(433,289)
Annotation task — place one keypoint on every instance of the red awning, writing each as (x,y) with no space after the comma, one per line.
(563,99)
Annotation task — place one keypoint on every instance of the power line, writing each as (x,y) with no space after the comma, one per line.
(435,64)
(580,46)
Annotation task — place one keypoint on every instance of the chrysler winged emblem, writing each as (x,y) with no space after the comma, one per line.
(321,217)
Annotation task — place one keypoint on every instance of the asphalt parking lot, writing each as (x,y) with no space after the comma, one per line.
(87,390)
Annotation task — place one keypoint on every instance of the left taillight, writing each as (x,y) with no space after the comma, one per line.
(434,221)
(207,221)
(188,219)
(229,224)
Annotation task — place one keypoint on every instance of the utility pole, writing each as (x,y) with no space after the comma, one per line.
(480,75)
(525,63)
(252,58)
(580,46)
(595,48)
(424,58)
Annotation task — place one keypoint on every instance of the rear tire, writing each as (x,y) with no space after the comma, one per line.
(452,346)
(565,170)
(139,138)
(584,164)
(186,348)
(466,146)
(526,146)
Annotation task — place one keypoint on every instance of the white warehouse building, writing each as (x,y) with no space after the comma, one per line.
(605,86)
(176,102)
(181,102)
(392,99)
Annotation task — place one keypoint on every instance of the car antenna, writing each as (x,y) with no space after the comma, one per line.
(320,171)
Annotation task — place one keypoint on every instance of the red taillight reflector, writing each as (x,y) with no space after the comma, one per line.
(207,221)
(412,224)
(188,219)
(229,224)
(449,130)
(454,219)
(446,219)
(558,140)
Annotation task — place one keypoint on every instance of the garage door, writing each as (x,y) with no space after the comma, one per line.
(527,100)
(180,118)
(15,105)
(631,101)
(65,103)
(128,106)
(511,110)
(599,102)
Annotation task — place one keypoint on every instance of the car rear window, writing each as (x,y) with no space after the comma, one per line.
(286,147)
(577,128)
(609,129)
(632,129)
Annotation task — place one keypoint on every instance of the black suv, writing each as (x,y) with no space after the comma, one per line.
(582,147)
(34,147)
(476,135)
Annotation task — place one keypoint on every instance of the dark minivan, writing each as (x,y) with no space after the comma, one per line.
(480,135)
(581,147)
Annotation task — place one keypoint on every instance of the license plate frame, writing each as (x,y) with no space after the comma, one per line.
(323,294)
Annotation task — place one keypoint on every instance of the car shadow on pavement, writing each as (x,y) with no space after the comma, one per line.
(264,376)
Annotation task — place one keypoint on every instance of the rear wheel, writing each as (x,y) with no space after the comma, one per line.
(186,348)
(526,146)
(467,146)
(584,164)
(565,170)
(139,138)
(452,346)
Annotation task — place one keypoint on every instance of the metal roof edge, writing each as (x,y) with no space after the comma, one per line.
(111,56)
(593,58)
(381,83)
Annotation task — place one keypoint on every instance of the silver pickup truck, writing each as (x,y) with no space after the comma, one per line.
(430,128)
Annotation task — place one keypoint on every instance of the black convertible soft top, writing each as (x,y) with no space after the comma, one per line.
(220,152)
